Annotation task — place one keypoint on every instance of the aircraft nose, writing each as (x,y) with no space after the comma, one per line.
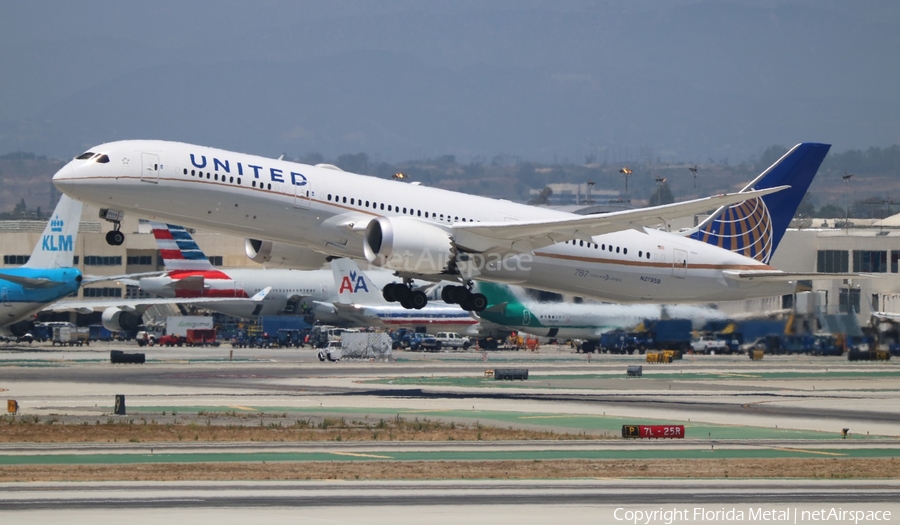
(64,178)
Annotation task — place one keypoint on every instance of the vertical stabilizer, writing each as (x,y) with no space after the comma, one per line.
(497,293)
(353,285)
(178,249)
(56,247)
(755,227)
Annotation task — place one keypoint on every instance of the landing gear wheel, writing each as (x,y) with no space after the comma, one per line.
(447,294)
(406,302)
(418,299)
(115,238)
(458,294)
(478,302)
(388,292)
(401,292)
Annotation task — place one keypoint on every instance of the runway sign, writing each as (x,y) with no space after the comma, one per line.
(653,431)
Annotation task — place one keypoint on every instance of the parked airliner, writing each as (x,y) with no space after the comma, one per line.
(47,276)
(437,234)
(509,306)
(361,300)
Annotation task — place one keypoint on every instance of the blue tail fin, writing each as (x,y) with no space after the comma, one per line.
(755,227)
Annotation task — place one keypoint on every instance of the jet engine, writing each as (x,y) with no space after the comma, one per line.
(117,320)
(283,255)
(408,245)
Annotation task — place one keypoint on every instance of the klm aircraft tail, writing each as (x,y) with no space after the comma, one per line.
(56,249)
(353,285)
(178,249)
(755,227)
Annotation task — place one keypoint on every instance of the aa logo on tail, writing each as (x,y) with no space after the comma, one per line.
(353,283)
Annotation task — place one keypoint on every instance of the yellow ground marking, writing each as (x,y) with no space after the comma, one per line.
(361,455)
(545,417)
(786,449)
(739,375)
(239,407)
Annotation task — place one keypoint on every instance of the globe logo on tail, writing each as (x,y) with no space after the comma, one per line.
(744,228)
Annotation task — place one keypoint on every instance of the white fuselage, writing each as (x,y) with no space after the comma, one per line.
(294,203)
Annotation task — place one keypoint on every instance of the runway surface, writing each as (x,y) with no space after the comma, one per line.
(526,502)
(782,407)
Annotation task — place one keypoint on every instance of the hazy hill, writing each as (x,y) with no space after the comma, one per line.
(691,81)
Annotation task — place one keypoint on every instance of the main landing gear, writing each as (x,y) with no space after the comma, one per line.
(405,295)
(462,295)
(114,237)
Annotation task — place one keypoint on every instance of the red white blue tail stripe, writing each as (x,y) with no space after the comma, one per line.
(178,249)
(189,268)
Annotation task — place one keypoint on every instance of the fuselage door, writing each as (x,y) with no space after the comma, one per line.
(526,317)
(4,296)
(302,195)
(680,263)
(150,168)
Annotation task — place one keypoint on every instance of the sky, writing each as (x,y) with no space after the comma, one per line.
(670,80)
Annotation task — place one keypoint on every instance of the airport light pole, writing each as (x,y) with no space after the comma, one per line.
(846,180)
(626,171)
(659,184)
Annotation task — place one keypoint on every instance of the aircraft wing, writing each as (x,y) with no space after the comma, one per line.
(525,236)
(776,275)
(886,315)
(29,282)
(356,314)
(139,305)
(129,278)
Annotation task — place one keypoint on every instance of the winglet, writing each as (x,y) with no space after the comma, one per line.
(260,295)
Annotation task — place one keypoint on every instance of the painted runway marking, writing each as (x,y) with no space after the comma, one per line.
(239,407)
(786,449)
(361,455)
(547,417)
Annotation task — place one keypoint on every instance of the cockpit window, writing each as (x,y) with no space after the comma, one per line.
(103,159)
(86,155)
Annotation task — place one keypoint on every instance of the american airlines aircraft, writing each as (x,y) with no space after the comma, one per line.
(360,300)
(437,234)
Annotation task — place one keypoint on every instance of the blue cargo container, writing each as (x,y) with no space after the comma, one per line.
(98,332)
(271,324)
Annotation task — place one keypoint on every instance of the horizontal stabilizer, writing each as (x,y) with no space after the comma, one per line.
(779,276)
(29,282)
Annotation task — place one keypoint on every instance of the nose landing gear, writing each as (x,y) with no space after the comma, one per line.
(114,237)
